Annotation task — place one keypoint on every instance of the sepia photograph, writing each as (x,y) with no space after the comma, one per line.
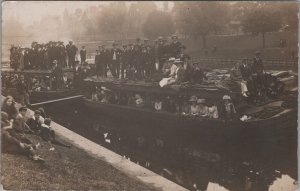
(149,95)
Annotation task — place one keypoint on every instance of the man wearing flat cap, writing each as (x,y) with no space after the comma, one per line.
(71,52)
(104,59)
(83,55)
(174,47)
(115,59)
(161,53)
(257,71)
(124,60)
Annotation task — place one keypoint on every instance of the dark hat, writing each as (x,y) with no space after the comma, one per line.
(47,121)
(41,110)
(124,45)
(23,108)
(37,112)
(114,44)
(138,39)
(257,52)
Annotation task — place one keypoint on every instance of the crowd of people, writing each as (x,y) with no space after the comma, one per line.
(256,84)
(15,125)
(184,105)
(40,56)
(139,60)
(162,61)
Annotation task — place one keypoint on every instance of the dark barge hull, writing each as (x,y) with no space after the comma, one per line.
(188,130)
(42,96)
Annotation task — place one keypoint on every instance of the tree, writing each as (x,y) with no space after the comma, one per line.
(158,23)
(289,14)
(200,18)
(261,21)
(112,18)
(136,16)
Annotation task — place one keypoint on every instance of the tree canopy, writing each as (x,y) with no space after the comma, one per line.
(261,21)
(158,23)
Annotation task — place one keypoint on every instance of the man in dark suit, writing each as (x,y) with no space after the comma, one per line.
(71,52)
(104,59)
(77,72)
(115,55)
(83,55)
(124,61)
(57,75)
(98,64)
(174,47)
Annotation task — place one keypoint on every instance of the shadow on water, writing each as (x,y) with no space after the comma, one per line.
(194,165)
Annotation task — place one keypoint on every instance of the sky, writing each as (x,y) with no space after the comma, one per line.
(30,11)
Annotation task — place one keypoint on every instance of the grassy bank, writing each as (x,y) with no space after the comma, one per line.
(64,169)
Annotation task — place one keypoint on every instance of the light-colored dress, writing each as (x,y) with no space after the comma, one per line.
(203,111)
(194,109)
(213,112)
(158,106)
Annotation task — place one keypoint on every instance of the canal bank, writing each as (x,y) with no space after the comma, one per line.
(192,166)
(86,165)
(149,178)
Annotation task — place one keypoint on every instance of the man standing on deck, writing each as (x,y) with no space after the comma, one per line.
(161,56)
(57,72)
(125,61)
(71,52)
(257,71)
(77,75)
(174,47)
(99,71)
(104,59)
(114,66)
(23,91)
(83,55)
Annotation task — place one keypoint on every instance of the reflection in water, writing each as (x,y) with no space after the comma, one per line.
(257,167)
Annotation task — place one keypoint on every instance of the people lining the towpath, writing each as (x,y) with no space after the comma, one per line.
(17,124)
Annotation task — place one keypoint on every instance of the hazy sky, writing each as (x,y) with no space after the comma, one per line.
(30,11)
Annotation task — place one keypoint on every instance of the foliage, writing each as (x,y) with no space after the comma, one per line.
(200,18)
(158,23)
(261,21)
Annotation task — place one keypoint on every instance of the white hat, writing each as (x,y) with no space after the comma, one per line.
(193,98)
(226,97)
(172,59)
(201,101)
(104,88)
(177,61)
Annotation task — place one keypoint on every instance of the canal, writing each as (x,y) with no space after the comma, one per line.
(255,167)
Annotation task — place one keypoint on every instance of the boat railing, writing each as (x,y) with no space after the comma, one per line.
(228,63)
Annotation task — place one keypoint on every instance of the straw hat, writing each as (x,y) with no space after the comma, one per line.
(226,97)
(201,101)
(193,98)
(172,59)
